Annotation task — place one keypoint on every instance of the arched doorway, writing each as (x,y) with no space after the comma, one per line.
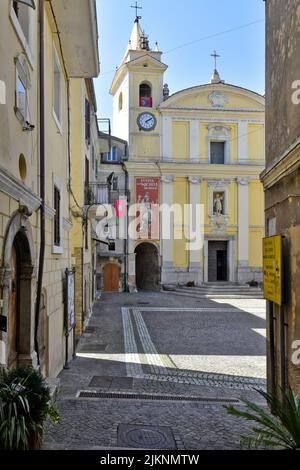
(147,267)
(111,277)
(17,271)
(19,305)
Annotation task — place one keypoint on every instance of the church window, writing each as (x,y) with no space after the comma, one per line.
(145,95)
(217,153)
(120,101)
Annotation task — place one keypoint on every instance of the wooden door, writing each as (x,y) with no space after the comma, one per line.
(111,278)
(222,265)
(13,313)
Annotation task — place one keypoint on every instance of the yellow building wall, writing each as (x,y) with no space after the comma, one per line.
(205,201)
(203,144)
(255,247)
(181,140)
(180,197)
(256,141)
(77,134)
(146,147)
(256,203)
(234,141)
(232,204)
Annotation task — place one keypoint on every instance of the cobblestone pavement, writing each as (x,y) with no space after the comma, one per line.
(182,359)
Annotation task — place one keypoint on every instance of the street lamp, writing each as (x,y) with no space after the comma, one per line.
(28,3)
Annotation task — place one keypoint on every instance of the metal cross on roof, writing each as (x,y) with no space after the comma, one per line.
(137,7)
(215,56)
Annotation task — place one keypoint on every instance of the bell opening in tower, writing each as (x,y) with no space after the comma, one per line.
(145,96)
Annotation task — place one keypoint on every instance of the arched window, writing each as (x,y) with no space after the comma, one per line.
(120,101)
(145,95)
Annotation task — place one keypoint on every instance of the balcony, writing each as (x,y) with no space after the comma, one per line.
(102,193)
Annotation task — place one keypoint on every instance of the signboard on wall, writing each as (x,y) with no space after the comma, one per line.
(70,300)
(147,200)
(272,269)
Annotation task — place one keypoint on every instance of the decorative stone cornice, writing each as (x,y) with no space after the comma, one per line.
(218,128)
(243,180)
(67,224)
(195,179)
(49,212)
(168,179)
(218,183)
(284,165)
(13,187)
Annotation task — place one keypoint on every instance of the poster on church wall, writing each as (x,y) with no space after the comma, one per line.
(147,201)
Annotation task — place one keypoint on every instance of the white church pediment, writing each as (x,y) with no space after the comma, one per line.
(147,61)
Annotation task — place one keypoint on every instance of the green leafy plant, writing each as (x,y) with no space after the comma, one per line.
(281,430)
(25,404)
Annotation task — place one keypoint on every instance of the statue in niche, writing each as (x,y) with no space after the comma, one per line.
(218,204)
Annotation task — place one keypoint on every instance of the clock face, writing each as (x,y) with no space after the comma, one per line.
(146,121)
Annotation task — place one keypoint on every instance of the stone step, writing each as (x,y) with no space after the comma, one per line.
(221,289)
(199,295)
(217,291)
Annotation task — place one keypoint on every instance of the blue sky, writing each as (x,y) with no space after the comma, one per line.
(174,24)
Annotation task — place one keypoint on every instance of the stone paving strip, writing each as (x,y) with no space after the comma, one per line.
(133,363)
(161,367)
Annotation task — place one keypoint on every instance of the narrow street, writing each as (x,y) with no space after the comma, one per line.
(154,370)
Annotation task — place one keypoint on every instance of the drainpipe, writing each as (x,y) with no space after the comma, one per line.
(127,218)
(42,177)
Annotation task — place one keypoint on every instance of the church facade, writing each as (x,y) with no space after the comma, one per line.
(200,146)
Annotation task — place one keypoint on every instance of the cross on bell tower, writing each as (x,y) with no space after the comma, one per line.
(137,8)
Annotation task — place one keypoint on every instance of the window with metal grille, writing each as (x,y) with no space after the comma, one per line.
(57,198)
(217,153)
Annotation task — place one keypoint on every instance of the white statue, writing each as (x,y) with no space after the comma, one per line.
(218,204)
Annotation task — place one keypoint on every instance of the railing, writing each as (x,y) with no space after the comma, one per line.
(102,193)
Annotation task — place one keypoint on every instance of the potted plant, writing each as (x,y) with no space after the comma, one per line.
(281,430)
(25,404)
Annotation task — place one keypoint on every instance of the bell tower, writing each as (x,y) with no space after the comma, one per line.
(138,90)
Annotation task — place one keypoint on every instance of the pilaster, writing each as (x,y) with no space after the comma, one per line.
(195,265)
(243,227)
(167,227)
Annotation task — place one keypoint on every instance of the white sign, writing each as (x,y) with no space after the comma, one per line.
(2,92)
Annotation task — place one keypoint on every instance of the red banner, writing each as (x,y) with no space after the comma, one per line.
(147,200)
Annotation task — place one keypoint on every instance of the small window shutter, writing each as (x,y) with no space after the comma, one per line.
(87,121)
(57,217)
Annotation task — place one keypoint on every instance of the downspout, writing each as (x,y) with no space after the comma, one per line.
(42,177)
(127,219)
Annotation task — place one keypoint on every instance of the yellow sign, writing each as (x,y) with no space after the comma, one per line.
(272,258)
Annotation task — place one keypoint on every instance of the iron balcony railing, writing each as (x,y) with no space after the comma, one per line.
(102,193)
